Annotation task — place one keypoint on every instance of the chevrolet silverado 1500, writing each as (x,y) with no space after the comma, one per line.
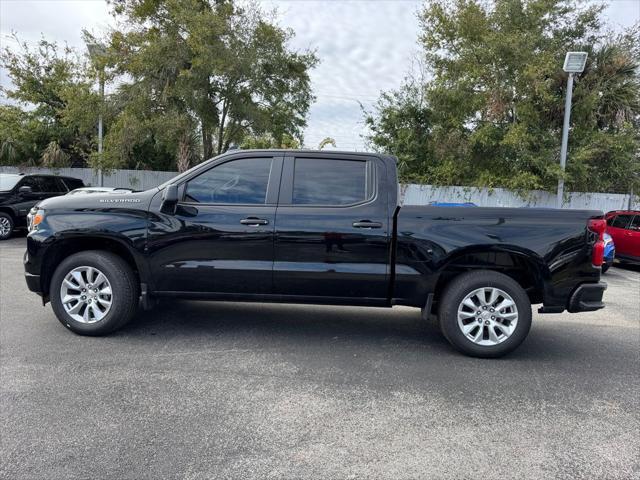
(312,227)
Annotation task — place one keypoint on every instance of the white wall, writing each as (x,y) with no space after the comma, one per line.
(136,179)
(499,197)
(412,194)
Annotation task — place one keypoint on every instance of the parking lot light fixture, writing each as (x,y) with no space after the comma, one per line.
(97,52)
(574,62)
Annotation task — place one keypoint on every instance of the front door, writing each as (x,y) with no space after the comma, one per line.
(220,239)
(332,228)
(26,200)
(617,227)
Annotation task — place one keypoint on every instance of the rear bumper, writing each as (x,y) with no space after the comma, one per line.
(587,297)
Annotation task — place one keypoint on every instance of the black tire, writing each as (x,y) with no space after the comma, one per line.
(456,292)
(5,218)
(124,286)
(605,267)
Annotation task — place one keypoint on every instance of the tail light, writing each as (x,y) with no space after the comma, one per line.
(597,226)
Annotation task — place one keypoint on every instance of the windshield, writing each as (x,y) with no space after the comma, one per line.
(180,176)
(7,182)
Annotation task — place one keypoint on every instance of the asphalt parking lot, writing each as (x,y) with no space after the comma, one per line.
(200,390)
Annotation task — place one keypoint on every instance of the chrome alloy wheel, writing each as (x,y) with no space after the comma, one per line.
(487,316)
(5,227)
(86,295)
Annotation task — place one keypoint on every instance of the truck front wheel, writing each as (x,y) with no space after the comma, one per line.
(485,314)
(94,292)
(6,225)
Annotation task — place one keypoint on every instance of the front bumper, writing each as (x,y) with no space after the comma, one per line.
(587,297)
(33,283)
(32,279)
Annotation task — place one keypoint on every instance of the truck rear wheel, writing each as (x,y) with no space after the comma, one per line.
(485,314)
(94,292)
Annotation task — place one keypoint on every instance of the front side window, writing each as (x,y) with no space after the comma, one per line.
(33,182)
(621,221)
(635,224)
(242,181)
(329,182)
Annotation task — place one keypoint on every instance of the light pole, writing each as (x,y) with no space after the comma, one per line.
(574,62)
(97,52)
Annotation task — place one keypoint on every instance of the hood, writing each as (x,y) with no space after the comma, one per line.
(110,200)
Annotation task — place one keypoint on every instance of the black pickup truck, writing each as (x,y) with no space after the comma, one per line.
(19,192)
(312,227)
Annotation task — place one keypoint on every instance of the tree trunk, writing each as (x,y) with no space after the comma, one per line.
(207,146)
(221,128)
(183,161)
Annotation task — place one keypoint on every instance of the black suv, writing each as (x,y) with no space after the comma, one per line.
(19,192)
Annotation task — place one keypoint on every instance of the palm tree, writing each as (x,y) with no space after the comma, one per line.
(615,74)
(54,156)
(8,152)
(325,142)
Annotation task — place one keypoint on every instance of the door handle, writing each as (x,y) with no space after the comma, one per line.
(254,221)
(366,224)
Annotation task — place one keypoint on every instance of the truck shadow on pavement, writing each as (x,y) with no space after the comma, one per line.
(298,327)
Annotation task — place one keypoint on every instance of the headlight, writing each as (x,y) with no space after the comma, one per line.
(35,217)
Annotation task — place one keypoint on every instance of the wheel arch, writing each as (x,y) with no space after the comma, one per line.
(9,211)
(65,247)
(525,267)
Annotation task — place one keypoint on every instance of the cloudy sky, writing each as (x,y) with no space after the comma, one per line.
(364,47)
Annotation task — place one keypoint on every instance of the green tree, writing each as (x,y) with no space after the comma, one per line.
(326,141)
(211,68)
(54,156)
(263,141)
(53,100)
(489,109)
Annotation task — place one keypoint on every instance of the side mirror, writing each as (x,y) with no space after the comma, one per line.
(25,189)
(169,199)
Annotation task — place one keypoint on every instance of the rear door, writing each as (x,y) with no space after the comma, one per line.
(332,228)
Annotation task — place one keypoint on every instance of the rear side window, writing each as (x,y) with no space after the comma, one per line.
(330,182)
(242,181)
(49,184)
(61,186)
(635,224)
(620,221)
(72,183)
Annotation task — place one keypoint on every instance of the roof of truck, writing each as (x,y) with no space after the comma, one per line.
(297,151)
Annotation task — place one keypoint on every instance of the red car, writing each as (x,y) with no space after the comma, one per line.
(624,228)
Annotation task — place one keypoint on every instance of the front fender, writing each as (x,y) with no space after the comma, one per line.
(64,232)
